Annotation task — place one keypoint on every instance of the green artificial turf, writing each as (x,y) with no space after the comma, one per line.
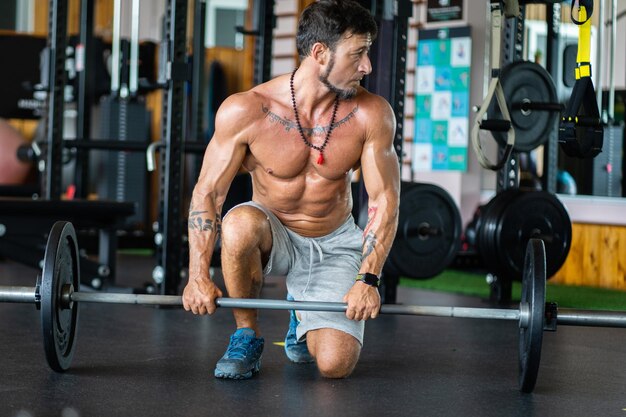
(473,284)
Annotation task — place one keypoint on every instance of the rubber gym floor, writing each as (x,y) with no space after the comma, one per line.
(144,361)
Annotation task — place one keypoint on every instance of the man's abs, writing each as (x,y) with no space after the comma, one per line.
(309,208)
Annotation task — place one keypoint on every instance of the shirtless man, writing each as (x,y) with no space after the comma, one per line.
(301,135)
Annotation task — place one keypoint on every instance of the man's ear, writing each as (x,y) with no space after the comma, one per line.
(319,52)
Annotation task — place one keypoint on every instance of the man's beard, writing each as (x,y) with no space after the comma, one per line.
(343,94)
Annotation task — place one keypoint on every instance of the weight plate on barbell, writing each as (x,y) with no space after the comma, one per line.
(525,82)
(61,267)
(533,294)
(429,232)
(532,214)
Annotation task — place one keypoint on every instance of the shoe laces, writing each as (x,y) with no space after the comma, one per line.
(239,347)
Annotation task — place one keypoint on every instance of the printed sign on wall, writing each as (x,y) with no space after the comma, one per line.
(444,10)
(442,100)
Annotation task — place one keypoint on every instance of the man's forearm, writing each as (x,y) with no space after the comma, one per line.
(379,233)
(204,227)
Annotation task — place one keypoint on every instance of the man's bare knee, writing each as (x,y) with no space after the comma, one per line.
(335,366)
(245,228)
(336,353)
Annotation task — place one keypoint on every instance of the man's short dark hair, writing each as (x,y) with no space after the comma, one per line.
(326,21)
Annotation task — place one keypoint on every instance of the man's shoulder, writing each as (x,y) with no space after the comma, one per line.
(371,101)
(257,97)
(372,107)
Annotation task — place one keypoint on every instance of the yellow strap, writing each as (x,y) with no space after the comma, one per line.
(584,39)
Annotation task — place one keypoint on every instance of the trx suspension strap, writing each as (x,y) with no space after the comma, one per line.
(495,88)
(581,132)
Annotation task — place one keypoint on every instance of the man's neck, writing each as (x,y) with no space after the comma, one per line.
(312,96)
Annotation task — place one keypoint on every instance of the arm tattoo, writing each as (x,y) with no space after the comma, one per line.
(202,223)
(371,212)
(369,241)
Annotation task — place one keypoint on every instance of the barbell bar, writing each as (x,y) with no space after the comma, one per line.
(55,295)
(10,294)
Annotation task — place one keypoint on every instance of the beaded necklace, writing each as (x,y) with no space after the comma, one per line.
(320,149)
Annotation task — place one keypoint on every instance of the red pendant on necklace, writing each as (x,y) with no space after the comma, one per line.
(320,159)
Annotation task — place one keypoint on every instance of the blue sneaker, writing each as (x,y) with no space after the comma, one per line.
(243,356)
(297,352)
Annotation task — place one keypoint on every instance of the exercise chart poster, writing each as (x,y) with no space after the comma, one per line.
(442,100)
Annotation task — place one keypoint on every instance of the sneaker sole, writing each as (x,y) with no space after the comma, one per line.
(247,375)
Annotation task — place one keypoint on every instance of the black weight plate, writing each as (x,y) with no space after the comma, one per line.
(534,294)
(419,255)
(525,81)
(532,214)
(60,268)
(486,228)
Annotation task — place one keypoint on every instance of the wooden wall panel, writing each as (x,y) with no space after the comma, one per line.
(233,62)
(597,257)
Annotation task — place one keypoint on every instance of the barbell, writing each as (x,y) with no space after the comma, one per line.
(57,295)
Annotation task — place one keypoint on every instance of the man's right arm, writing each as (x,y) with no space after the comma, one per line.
(222,160)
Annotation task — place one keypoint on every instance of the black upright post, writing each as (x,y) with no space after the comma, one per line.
(388,58)
(197,84)
(264,22)
(55,82)
(512,45)
(170,225)
(85,95)
(551,148)
(512,51)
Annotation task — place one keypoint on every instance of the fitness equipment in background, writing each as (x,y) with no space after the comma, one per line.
(429,232)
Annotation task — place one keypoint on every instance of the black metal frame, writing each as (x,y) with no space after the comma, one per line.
(85,96)
(264,22)
(388,56)
(197,85)
(551,147)
(170,223)
(55,83)
(512,46)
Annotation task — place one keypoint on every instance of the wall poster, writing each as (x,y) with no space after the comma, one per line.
(442,100)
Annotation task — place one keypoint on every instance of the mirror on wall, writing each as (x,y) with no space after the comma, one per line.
(223,16)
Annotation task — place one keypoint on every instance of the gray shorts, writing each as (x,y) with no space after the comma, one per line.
(317,269)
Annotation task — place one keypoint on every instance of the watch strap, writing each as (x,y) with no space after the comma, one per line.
(369,279)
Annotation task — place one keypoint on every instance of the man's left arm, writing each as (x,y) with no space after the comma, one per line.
(381,175)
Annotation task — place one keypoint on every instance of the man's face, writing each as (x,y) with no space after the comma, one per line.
(347,65)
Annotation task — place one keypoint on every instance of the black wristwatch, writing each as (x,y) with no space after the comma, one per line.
(369,279)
